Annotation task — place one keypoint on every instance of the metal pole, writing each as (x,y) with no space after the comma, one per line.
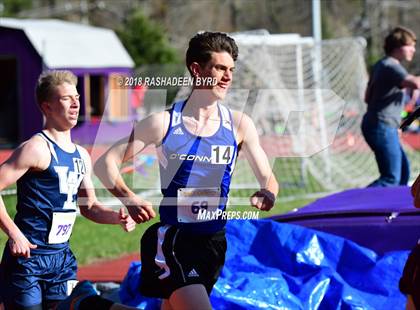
(317,71)
(301,107)
(316,20)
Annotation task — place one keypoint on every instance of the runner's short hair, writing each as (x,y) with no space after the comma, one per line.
(49,80)
(204,43)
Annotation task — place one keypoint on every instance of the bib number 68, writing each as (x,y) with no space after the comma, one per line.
(197,205)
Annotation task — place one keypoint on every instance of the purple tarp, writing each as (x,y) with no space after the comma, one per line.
(382,219)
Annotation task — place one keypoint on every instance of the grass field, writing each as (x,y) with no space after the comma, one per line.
(91,242)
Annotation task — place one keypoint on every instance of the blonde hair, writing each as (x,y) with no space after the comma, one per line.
(49,80)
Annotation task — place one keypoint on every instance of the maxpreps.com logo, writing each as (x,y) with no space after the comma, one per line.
(190,157)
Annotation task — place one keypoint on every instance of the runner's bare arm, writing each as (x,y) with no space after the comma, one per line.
(247,135)
(93,209)
(150,130)
(32,154)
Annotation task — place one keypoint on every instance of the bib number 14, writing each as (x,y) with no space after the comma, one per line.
(221,154)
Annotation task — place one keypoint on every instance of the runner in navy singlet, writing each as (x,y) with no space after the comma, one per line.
(38,268)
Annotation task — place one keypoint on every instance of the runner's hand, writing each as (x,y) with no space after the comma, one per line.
(20,246)
(140,210)
(263,200)
(126,222)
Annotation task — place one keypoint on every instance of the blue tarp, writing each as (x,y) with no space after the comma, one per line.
(283,266)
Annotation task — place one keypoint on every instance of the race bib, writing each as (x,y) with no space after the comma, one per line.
(61,227)
(195,204)
(221,154)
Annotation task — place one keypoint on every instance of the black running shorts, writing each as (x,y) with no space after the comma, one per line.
(172,258)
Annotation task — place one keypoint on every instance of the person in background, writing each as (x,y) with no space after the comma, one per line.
(384,98)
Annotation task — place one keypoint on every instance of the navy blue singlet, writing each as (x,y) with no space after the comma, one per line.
(40,193)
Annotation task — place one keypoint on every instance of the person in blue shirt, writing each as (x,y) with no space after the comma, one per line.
(384,98)
(197,142)
(53,175)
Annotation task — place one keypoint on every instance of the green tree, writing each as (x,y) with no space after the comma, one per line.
(146,41)
(12,8)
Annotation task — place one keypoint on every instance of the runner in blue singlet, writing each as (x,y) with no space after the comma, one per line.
(197,144)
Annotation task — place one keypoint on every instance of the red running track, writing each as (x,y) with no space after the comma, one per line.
(107,271)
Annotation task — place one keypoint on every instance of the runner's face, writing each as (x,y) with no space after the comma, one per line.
(220,68)
(65,105)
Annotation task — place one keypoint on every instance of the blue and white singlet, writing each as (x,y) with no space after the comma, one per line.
(195,173)
(46,200)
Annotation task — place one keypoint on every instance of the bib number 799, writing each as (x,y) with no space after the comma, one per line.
(63,229)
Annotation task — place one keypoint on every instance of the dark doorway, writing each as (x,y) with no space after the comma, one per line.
(97,95)
(9,102)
